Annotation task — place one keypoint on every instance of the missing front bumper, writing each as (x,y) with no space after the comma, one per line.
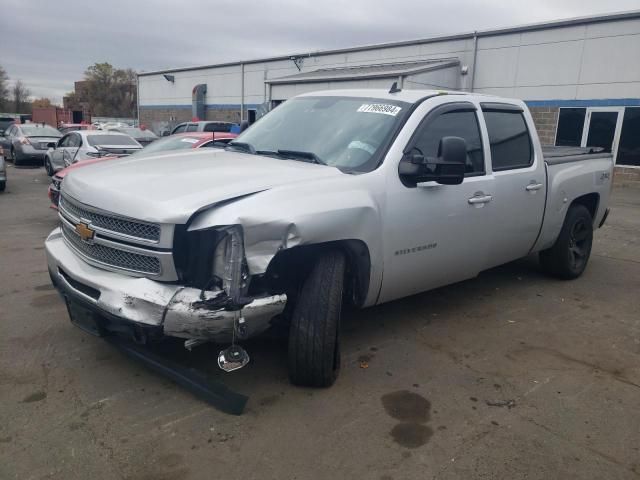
(176,311)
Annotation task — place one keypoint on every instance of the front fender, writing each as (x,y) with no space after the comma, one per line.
(323,211)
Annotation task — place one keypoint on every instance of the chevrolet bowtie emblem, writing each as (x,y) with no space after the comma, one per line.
(86,233)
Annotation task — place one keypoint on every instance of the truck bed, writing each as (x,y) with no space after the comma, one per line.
(559,155)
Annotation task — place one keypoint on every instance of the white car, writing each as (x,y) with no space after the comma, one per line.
(84,144)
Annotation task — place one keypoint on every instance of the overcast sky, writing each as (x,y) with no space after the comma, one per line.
(49,43)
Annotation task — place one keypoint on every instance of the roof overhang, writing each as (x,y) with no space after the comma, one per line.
(366,72)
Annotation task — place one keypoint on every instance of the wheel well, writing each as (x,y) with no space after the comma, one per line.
(590,201)
(288,269)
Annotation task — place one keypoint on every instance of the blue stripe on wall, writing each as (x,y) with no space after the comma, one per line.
(596,102)
(212,106)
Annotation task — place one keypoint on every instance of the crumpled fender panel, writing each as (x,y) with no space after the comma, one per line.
(332,209)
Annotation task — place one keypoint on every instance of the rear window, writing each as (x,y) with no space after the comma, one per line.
(39,131)
(509,140)
(106,139)
(217,127)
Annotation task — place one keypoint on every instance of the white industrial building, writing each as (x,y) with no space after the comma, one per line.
(580,77)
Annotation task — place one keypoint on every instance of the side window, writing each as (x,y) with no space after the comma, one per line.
(192,127)
(509,139)
(454,124)
(65,141)
(74,140)
(179,128)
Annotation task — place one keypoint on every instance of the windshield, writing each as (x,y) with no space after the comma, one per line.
(168,143)
(106,139)
(138,132)
(344,132)
(39,131)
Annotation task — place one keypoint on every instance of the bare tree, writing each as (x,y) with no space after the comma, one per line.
(41,103)
(4,89)
(21,97)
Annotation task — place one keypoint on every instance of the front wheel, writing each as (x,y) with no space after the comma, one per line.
(568,257)
(314,349)
(14,157)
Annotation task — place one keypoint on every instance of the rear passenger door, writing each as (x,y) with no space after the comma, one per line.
(519,183)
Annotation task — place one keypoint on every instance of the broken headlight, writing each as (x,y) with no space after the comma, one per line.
(227,262)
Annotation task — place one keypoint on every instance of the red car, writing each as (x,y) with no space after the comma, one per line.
(180,141)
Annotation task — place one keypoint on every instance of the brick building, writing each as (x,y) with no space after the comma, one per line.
(580,77)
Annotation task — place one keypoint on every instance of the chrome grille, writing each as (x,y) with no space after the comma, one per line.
(111,256)
(137,229)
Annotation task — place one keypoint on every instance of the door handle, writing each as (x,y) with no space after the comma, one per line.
(480,199)
(532,187)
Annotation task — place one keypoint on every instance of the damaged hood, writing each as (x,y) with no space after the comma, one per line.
(169,188)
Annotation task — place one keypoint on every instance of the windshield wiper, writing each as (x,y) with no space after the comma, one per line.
(243,146)
(309,156)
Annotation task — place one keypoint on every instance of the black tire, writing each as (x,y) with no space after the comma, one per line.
(568,257)
(14,157)
(314,342)
(48,167)
(3,185)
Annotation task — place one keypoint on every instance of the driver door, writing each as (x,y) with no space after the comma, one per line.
(439,234)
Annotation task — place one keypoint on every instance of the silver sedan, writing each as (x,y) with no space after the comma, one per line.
(85,144)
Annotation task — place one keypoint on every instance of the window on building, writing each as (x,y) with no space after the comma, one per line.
(570,126)
(509,139)
(629,146)
(457,124)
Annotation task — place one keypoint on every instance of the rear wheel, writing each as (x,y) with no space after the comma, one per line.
(3,185)
(568,257)
(48,167)
(314,350)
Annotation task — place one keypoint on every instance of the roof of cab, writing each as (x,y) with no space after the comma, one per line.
(409,96)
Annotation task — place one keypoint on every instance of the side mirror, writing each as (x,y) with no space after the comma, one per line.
(447,169)
(243,125)
(165,133)
(52,145)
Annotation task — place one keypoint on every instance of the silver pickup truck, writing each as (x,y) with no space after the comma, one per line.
(340,197)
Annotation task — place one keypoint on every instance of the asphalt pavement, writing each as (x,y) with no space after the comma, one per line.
(509,375)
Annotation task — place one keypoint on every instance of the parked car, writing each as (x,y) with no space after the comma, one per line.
(175,142)
(340,197)
(85,144)
(3,172)
(203,126)
(5,123)
(73,127)
(143,136)
(183,141)
(29,141)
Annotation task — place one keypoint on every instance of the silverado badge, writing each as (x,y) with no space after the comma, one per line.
(86,233)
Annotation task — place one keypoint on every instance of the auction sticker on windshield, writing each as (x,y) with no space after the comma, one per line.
(190,140)
(383,108)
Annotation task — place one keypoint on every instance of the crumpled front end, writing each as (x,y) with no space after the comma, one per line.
(142,307)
